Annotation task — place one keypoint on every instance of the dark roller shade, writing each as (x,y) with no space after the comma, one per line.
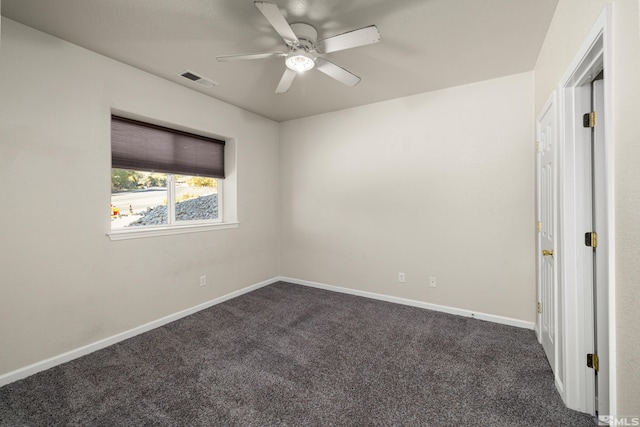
(142,146)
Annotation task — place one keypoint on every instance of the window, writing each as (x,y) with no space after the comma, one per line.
(163,178)
(140,198)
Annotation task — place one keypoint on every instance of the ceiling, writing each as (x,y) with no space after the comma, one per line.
(425,44)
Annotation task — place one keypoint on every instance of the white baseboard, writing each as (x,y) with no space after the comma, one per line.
(435,307)
(98,345)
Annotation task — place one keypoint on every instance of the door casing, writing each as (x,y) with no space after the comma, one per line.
(573,102)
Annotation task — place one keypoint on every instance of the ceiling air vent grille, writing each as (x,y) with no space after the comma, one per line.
(198,79)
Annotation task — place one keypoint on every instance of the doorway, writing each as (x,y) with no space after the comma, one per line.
(583,245)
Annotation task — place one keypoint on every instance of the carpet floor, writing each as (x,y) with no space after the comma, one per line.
(288,355)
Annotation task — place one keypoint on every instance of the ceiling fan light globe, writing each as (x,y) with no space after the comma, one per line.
(300,61)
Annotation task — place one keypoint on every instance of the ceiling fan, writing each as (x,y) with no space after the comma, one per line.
(304,48)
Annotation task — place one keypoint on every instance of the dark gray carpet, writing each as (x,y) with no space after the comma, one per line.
(291,355)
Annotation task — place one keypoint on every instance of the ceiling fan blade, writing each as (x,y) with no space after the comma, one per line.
(351,39)
(243,57)
(286,81)
(277,21)
(336,72)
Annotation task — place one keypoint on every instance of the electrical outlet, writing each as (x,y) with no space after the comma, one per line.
(401,277)
(432,282)
(203,280)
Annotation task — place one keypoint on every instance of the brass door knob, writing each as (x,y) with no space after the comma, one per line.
(547,253)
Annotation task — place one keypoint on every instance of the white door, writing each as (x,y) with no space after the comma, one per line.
(546,130)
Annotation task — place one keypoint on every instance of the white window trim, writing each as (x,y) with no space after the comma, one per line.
(168,230)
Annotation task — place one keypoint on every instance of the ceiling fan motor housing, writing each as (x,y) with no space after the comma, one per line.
(307,36)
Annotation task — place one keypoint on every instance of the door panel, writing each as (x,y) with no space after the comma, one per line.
(546,237)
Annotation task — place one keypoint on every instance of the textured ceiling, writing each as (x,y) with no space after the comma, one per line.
(426,44)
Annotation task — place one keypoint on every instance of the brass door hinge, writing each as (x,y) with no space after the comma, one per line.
(539,307)
(539,225)
(538,147)
(589,120)
(591,239)
(593,362)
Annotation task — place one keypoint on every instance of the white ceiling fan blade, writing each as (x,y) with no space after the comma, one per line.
(336,72)
(277,21)
(243,57)
(351,39)
(286,81)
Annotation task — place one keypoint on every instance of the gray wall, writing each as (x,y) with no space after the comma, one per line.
(438,184)
(64,284)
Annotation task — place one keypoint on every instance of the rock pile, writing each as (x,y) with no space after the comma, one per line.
(205,207)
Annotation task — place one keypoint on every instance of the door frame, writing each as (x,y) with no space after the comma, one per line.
(593,56)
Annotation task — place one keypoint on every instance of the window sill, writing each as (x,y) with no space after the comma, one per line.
(143,232)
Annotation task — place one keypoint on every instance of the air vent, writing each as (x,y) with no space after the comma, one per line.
(190,76)
(198,79)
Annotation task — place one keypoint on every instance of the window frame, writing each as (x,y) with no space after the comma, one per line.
(226,213)
(171,208)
